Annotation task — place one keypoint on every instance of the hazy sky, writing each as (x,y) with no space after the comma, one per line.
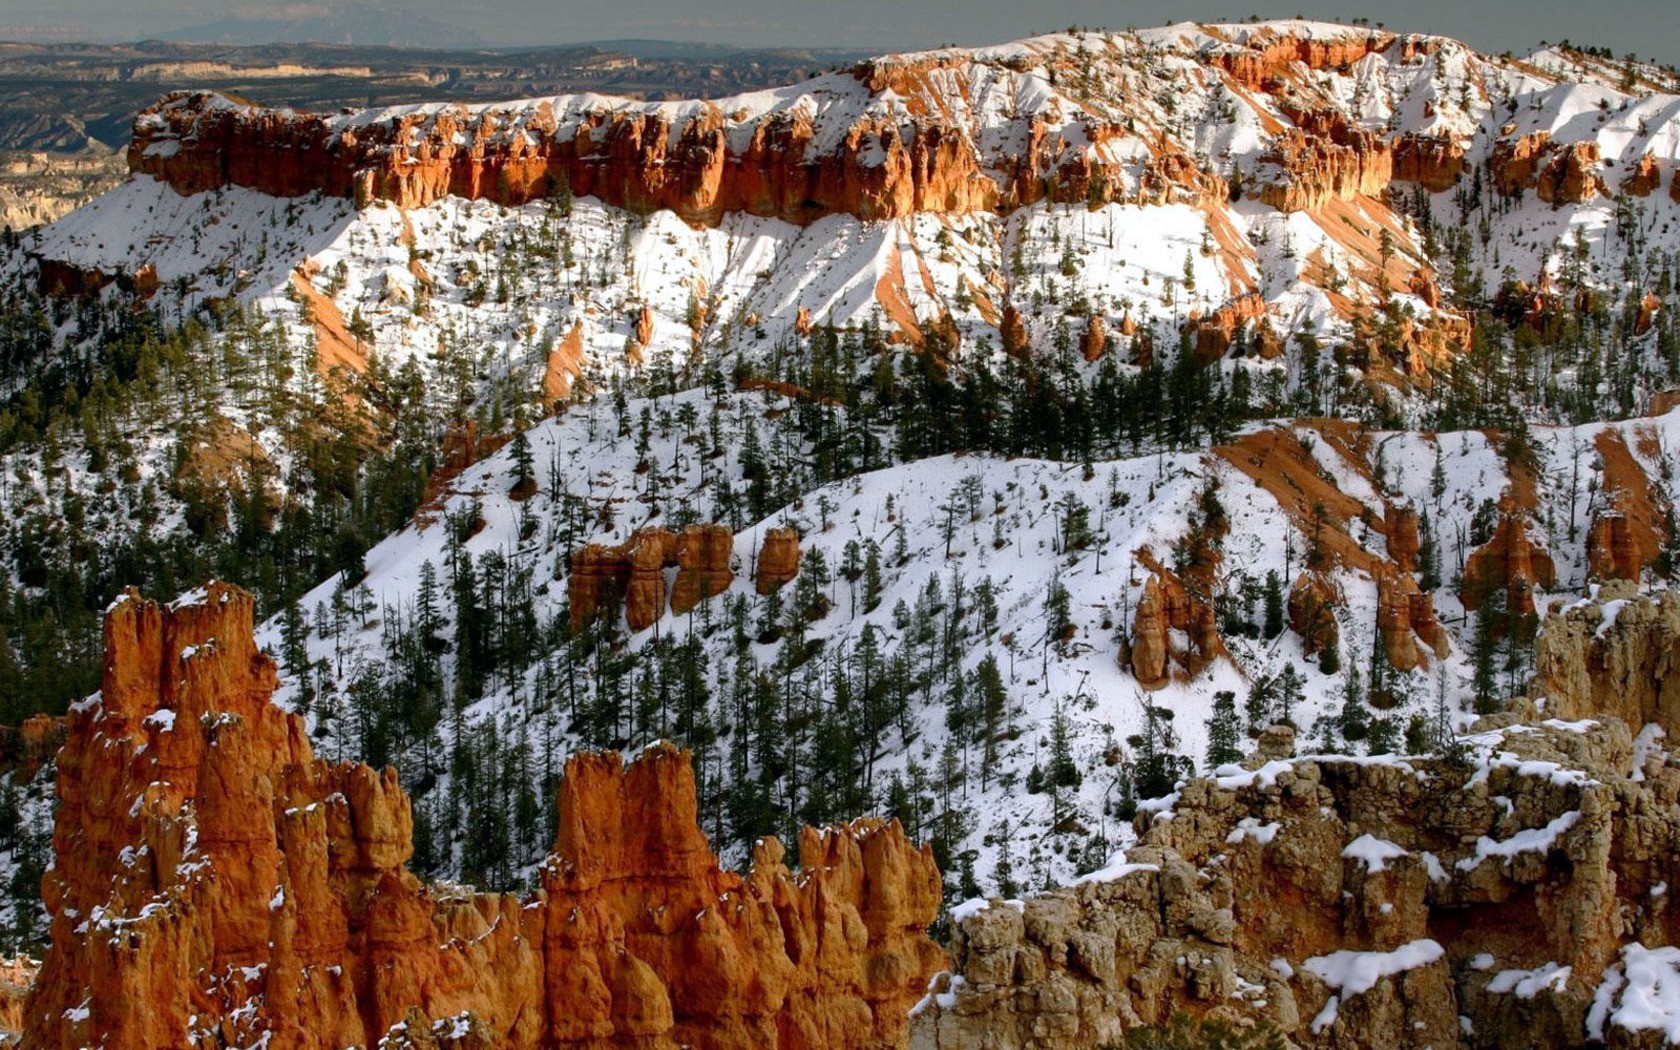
(1649,27)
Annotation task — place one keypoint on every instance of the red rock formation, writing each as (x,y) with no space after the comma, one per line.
(1406,614)
(1173,602)
(1514,164)
(1674,187)
(1569,177)
(1323,159)
(1265,62)
(1561,174)
(565,364)
(17,976)
(1422,285)
(1216,332)
(1509,559)
(778,559)
(26,748)
(648,553)
(1312,612)
(628,157)
(634,573)
(1013,331)
(1150,644)
(598,579)
(1400,525)
(1094,342)
(1649,307)
(1436,162)
(703,565)
(644,331)
(1644,178)
(1611,552)
(216,884)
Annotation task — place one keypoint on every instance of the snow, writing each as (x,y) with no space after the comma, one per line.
(1639,993)
(1253,828)
(1116,869)
(1235,778)
(975,905)
(1353,973)
(1375,853)
(1645,746)
(943,1000)
(1528,840)
(1527,984)
(163,719)
(1609,612)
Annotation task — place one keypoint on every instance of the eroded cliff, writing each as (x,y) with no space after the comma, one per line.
(214,883)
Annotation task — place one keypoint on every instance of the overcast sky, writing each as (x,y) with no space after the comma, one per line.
(1649,27)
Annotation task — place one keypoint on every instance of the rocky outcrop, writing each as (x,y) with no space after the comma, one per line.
(216,884)
(1435,162)
(1312,612)
(1513,893)
(1570,178)
(563,366)
(705,566)
(1611,553)
(647,554)
(1514,163)
(1216,332)
(1400,526)
(633,157)
(778,559)
(1559,173)
(1323,159)
(1150,646)
(1170,603)
(1644,179)
(17,976)
(1649,308)
(1405,616)
(596,580)
(26,748)
(1617,656)
(1093,343)
(1266,61)
(1013,331)
(1510,560)
(633,573)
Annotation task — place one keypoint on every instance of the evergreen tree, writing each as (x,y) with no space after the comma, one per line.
(1273,597)
(1223,731)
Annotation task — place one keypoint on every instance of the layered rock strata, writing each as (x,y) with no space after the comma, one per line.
(214,883)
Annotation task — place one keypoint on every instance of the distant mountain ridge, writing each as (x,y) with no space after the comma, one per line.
(338,22)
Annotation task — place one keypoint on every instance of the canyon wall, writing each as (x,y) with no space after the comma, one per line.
(214,883)
(889,139)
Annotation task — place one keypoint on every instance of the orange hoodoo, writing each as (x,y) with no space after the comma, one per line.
(216,884)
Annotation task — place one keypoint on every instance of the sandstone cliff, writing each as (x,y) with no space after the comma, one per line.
(216,884)
(1512,893)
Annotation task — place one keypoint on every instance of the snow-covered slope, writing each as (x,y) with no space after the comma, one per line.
(953,529)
